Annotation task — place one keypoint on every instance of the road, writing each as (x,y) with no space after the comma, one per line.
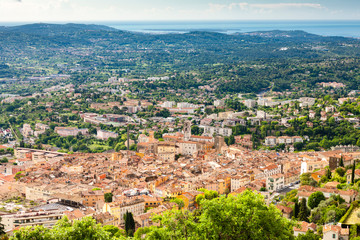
(288,189)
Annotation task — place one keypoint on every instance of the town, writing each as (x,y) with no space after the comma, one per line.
(116,135)
(150,157)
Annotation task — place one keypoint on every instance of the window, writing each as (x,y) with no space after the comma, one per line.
(334,235)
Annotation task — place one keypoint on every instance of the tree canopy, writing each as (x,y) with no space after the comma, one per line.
(245,216)
(315,198)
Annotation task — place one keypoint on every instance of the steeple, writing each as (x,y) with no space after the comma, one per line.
(187,130)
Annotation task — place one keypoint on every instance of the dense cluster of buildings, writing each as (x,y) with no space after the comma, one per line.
(75,185)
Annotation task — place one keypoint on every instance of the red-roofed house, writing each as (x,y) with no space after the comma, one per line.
(303,227)
(286,211)
(334,232)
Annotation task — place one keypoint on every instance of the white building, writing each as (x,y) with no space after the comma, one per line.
(27,131)
(104,135)
(210,131)
(187,147)
(312,114)
(187,105)
(118,209)
(275,182)
(270,141)
(30,219)
(219,103)
(249,103)
(306,101)
(238,182)
(329,109)
(113,79)
(70,131)
(261,114)
(168,104)
(41,126)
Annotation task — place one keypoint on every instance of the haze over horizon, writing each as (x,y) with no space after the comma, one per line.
(160,10)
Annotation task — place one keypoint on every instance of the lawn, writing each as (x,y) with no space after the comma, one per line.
(353,217)
(97,146)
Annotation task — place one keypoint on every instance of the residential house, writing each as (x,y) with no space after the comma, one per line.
(275,182)
(335,232)
(303,228)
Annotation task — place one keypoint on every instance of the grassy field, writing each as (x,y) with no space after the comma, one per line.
(353,217)
(96,146)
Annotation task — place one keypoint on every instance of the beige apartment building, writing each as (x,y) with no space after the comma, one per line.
(118,209)
(26,219)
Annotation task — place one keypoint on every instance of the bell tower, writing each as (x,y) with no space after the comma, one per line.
(187,130)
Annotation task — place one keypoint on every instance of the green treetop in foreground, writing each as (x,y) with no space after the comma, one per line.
(243,217)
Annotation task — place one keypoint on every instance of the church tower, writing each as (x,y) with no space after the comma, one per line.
(187,130)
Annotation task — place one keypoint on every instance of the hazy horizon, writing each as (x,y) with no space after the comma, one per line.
(345,28)
(186,10)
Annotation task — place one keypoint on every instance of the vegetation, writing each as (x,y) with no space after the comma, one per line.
(245,216)
(304,212)
(129,224)
(315,198)
(108,197)
(330,210)
(64,229)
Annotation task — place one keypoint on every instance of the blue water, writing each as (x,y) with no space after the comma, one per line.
(325,28)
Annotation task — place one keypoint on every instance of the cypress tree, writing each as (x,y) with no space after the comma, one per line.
(296,209)
(341,161)
(328,173)
(304,211)
(129,224)
(353,174)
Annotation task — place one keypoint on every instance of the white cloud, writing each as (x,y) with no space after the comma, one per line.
(113,10)
(287,5)
(242,6)
(215,7)
(246,5)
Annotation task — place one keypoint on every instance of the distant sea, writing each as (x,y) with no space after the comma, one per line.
(324,28)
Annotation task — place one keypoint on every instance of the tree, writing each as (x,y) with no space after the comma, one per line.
(309,235)
(231,140)
(199,198)
(108,197)
(328,173)
(315,198)
(113,230)
(353,174)
(118,147)
(195,130)
(303,211)
(306,179)
(85,228)
(296,209)
(298,146)
(179,202)
(163,113)
(244,217)
(341,164)
(2,228)
(340,171)
(129,224)
(211,194)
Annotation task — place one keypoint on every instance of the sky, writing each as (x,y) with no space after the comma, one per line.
(176,10)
